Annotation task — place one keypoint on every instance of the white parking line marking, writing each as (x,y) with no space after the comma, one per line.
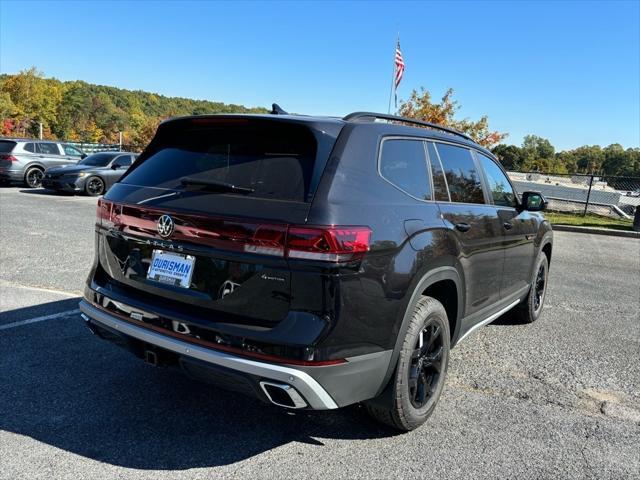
(7,284)
(40,319)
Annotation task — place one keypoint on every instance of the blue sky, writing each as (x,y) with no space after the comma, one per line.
(567,71)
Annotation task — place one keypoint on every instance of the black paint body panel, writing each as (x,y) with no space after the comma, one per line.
(349,309)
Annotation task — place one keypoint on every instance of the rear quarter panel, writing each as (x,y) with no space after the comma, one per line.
(373,300)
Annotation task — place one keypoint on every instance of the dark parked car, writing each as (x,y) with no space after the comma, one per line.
(93,175)
(314,262)
(24,161)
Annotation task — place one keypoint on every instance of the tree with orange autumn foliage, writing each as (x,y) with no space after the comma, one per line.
(420,106)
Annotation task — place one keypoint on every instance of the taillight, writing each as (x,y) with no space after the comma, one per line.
(103,213)
(330,244)
(322,243)
(8,157)
(267,240)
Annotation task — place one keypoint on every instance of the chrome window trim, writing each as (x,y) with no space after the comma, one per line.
(426,159)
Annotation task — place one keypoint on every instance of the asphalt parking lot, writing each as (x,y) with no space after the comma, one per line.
(556,399)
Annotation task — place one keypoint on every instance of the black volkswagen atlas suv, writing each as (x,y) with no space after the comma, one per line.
(314,262)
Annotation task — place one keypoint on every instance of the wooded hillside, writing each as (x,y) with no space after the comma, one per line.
(80,111)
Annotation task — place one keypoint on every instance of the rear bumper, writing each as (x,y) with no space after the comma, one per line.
(12,175)
(321,387)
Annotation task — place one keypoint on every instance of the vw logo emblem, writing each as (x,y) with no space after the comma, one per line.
(165,226)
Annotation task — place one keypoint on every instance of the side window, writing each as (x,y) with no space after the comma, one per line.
(440,191)
(124,160)
(403,163)
(30,147)
(48,148)
(501,190)
(69,150)
(462,176)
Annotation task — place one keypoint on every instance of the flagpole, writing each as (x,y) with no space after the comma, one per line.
(393,74)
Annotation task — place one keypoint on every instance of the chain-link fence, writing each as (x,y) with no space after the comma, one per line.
(610,196)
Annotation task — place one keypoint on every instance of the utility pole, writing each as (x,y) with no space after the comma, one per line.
(120,140)
(40,124)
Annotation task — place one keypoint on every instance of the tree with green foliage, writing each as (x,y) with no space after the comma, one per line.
(537,154)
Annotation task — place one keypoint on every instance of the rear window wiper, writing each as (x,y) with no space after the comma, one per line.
(214,185)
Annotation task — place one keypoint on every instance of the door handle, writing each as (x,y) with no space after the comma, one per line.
(507,225)
(462,227)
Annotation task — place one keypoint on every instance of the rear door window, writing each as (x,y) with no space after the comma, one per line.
(48,148)
(404,164)
(124,160)
(463,178)
(69,150)
(440,191)
(274,159)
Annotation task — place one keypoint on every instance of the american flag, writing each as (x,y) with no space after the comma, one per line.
(399,65)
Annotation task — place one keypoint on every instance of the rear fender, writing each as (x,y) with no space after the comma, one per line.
(424,282)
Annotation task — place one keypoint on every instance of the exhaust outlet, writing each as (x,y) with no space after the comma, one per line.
(282,395)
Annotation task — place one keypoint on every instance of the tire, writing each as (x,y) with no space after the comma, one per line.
(94,186)
(33,177)
(529,310)
(416,385)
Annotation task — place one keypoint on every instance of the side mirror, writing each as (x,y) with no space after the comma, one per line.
(533,201)
(115,166)
(83,156)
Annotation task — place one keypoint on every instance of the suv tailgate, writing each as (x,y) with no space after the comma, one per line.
(231,239)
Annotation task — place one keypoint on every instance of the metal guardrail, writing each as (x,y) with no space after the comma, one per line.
(612,196)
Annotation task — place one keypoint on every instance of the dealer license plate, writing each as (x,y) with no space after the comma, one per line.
(171,268)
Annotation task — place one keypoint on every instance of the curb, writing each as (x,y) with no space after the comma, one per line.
(598,231)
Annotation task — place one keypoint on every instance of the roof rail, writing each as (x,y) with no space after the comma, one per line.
(395,118)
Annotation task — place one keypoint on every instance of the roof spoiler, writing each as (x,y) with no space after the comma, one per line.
(276,110)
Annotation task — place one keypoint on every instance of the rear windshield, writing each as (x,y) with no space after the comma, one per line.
(6,146)
(275,160)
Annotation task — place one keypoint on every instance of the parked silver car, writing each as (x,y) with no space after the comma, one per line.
(25,160)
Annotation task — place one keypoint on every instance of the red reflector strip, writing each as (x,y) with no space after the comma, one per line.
(226,348)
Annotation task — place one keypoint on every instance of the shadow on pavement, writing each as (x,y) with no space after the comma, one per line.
(76,392)
(44,191)
(43,309)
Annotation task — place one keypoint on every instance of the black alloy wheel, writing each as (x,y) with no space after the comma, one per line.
(426,365)
(540,286)
(33,177)
(94,186)
(415,387)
